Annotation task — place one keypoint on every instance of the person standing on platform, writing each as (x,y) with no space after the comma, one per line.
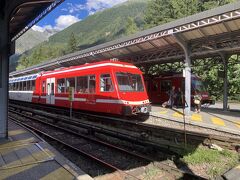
(178,98)
(172,96)
(197,101)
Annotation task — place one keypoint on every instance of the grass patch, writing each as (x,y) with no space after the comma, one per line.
(151,172)
(216,161)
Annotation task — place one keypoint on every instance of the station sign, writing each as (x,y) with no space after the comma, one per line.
(71,94)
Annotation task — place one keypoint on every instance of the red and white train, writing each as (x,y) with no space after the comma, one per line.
(159,86)
(107,86)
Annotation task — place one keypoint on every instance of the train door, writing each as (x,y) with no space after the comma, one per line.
(91,98)
(50,96)
(155,92)
(165,88)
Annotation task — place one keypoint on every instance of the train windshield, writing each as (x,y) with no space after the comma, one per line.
(129,82)
(198,85)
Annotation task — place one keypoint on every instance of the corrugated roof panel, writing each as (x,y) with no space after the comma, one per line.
(223,28)
(208,31)
(196,34)
(219,28)
(159,42)
(171,39)
(134,48)
(233,25)
(188,35)
(146,45)
(124,51)
(107,55)
(116,53)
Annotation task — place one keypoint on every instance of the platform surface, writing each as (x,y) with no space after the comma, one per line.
(26,156)
(228,121)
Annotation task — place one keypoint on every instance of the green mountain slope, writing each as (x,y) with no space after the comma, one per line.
(98,28)
(103,26)
(30,39)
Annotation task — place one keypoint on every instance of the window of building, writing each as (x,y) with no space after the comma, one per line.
(166,85)
(106,83)
(82,84)
(61,85)
(70,83)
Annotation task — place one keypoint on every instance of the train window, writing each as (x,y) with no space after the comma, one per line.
(24,85)
(28,85)
(33,85)
(20,86)
(16,86)
(82,84)
(129,82)
(61,85)
(106,83)
(92,84)
(166,85)
(43,86)
(10,86)
(70,83)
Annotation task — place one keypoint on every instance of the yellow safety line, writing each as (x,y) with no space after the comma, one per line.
(218,121)
(177,114)
(163,112)
(196,117)
(237,124)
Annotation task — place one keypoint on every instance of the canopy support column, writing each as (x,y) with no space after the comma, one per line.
(4,63)
(225,82)
(187,71)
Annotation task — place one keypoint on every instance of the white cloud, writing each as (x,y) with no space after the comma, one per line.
(42,29)
(64,21)
(72,8)
(61,23)
(91,6)
(98,5)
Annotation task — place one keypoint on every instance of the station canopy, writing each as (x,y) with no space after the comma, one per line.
(206,34)
(27,14)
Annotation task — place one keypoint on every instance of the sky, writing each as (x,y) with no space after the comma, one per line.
(72,11)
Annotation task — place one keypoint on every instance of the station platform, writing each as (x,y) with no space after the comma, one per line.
(228,121)
(26,156)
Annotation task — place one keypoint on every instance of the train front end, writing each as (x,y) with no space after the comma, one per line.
(132,92)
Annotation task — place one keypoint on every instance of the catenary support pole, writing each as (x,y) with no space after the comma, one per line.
(187,71)
(4,54)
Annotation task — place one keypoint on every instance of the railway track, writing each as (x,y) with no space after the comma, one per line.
(168,139)
(95,150)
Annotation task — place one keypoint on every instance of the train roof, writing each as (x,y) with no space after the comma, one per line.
(24,78)
(106,63)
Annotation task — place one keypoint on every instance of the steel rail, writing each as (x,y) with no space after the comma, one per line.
(229,142)
(72,147)
(162,166)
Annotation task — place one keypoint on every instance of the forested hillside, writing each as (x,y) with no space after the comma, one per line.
(107,25)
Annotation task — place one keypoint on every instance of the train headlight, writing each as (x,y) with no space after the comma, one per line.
(144,110)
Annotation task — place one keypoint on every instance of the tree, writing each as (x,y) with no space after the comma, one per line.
(72,43)
(131,26)
(162,11)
